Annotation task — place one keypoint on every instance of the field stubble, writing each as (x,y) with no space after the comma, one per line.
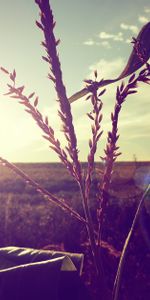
(27,220)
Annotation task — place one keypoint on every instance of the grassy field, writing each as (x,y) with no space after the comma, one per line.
(27,220)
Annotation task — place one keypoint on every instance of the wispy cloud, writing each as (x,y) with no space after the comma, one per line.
(115,37)
(132,28)
(107,68)
(105,38)
(89,42)
(128,41)
(147,10)
(143,19)
(106,44)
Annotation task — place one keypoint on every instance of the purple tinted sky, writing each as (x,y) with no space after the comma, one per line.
(94,35)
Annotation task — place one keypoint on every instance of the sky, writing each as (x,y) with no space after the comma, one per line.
(95,35)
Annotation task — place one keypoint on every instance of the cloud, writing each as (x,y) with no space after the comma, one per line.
(106,37)
(106,44)
(108,68)
(115,37)
(128,41)
(89,42)
(147,10)
(132,28)
(143,19)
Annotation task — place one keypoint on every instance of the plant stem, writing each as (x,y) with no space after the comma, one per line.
(104,293)
(118,278)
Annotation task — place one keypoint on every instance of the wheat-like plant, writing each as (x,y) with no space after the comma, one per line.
(69,155)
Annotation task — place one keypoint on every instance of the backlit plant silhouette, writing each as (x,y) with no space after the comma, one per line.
(69,155)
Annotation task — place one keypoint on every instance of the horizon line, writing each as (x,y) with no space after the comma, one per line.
(82,162)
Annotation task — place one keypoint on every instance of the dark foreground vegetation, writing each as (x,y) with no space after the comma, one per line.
(28,220)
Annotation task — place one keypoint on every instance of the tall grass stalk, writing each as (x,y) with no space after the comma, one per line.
(69,155)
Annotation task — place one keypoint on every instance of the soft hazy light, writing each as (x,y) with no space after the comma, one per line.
(93,38)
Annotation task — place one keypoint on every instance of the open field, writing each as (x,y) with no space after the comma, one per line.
(27,220)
